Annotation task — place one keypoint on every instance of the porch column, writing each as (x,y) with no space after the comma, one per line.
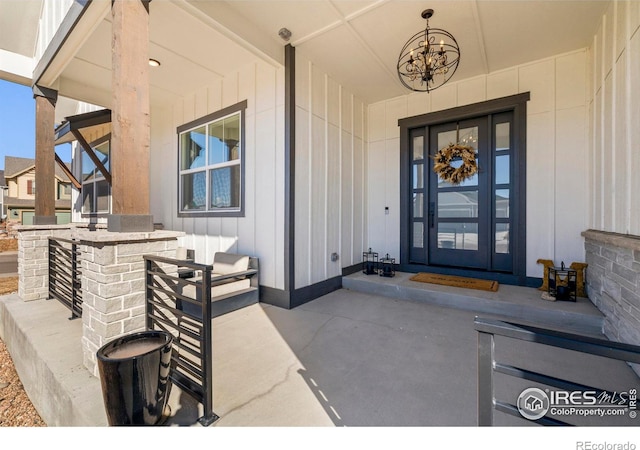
(130,132)
(45,202)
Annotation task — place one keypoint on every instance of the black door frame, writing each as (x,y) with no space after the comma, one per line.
(516,103)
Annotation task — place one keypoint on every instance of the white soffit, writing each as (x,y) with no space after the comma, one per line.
(19,25)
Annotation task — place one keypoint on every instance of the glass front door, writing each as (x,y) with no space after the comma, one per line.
(466,225)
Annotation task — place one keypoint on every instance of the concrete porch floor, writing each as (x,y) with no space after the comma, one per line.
(346,359)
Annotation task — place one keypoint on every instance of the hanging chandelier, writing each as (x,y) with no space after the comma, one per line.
(429,59)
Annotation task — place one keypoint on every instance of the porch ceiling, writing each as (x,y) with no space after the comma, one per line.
(354,41)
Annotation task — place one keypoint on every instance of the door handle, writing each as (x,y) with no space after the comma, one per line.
(432,214)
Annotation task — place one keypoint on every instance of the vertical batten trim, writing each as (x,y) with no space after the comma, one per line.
(310,174)
(326,176)
(341,185)
(289,166)
(353,172)
(628,112)
(601,125)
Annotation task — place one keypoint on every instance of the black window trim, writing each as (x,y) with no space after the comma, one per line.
(240,107)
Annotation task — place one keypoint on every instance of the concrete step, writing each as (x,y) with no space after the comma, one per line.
(516,303)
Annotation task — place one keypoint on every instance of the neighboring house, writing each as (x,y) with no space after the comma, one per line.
(19,175)
(3,195)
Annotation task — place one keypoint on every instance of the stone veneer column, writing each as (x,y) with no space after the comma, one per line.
(613,283)
(113,282)
(33,259)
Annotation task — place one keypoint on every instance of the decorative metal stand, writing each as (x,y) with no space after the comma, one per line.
(562,283)
(387,267)
(369,262)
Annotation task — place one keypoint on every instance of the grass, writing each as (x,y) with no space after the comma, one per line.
(8,285)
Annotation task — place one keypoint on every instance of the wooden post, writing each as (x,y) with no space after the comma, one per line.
(130,128)
(45,201)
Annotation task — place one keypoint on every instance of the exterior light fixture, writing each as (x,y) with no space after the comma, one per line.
(369,262)
(154,62)
(562,283)
(429,59)
(387,266)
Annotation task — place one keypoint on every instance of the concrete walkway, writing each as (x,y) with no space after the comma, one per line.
(346,359)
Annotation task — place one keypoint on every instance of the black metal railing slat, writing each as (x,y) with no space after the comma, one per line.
(65,274)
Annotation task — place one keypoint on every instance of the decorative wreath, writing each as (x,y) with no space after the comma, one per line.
(454,152)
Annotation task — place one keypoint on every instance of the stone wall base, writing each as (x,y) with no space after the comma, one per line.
(613,283)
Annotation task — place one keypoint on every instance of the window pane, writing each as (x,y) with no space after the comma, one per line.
(225,187)
(418,148)
(469,137)
(193,149)
(445,138)
(502,169)
(224,138)
(87,198)
(88,167)
(194,191)
(458,204)
(502,203)
(232,136)
(418,176)
(502,136)
(217,152)
(102,152)
(458,236)
(502,238)
(102,196)
(418,205)
(418,234)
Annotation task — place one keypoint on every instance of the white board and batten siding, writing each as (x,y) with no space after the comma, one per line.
(330,175)
(260,232)
(557,153)
(614,114)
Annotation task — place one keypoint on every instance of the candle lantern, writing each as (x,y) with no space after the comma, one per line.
(387,267)
(562,283)
(369,262)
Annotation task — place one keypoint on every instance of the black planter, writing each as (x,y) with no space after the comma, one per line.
(134,373)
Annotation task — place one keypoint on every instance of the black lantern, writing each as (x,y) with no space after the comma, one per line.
(387,268)
(369,262)
(562,283)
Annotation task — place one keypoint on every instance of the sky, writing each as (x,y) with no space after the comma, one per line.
(17,124)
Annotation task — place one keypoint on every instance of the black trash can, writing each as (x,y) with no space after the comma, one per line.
(134,373)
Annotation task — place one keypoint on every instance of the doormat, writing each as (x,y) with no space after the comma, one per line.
(451,280)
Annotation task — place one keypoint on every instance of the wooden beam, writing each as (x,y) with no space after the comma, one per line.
(130,132)
(87,148)
(45,201)
(67,172)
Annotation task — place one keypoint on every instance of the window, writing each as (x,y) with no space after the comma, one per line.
(31,187)
(211,164)
(64,191)
(96,193)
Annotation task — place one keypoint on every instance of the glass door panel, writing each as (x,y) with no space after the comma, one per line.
(459,215)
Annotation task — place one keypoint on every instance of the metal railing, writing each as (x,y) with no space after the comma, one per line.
(65,274)
(487,365)
(192,364)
